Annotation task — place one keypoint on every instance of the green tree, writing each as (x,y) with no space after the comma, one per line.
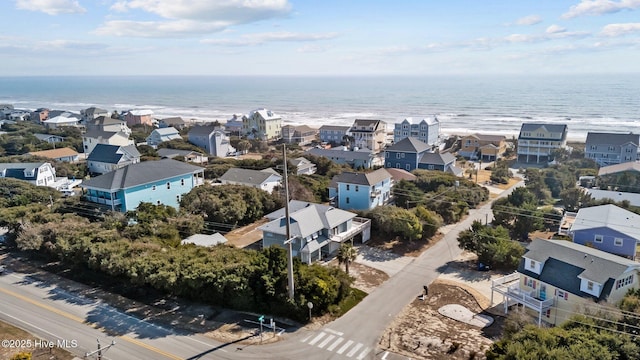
(346,255)
(493,246)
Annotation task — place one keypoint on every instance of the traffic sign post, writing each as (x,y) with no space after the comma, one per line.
(310,306)
(261,319)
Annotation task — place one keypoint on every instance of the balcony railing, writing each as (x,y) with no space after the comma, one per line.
(104,201)
(375,193)
(357,226)
(510,287)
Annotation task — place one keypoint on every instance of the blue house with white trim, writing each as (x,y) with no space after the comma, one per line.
(608,228)
(405,154)
(157,182)
(361,191)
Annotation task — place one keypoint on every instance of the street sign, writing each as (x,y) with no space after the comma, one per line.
(261,318)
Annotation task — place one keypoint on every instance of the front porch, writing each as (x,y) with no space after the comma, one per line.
(509,287)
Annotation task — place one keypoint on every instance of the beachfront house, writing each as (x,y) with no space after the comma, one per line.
(93,113)
(139,117)
(558,278)
(211,139)
(161,135)
(537,142)
(357,159)
(262,124)
(301,135)
(484,147)
(369,134)
(65,154)
(105,123)
(317,230)
(161,182)
(233,126)
(607,228)
(105,158)
(94,137)
(188,155)
(303,166)
(361,191)
(334,134)
(51,139)
(267,179)
(174,122)
(612,148)
(405,154)
(426,129)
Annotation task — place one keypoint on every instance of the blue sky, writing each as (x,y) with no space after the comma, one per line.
(313,37)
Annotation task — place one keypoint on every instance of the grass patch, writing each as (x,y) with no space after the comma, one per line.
(350,301)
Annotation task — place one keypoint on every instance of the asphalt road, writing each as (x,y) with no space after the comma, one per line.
(31,302)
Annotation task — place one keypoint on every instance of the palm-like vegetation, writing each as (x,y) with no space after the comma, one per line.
(347,254)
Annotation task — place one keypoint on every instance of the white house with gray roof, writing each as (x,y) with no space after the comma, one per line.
(612,148)
(334,134)
(161,182)
(105,158)
(212,139)
(425,129)
(106,123)
(262,124)
(161,135)
(557,278)
(266,179)
(361,191)
(317,230)
(94,137)
(38,173)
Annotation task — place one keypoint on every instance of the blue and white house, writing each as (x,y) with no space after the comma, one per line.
(612,148)
(317,230)
(161,182)
(405,154)
(426,129)
(361,191)
(161,135)
(608,228)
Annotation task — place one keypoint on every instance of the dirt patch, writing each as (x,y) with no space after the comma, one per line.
(246,235)
(420,331)
(402,247)
(21,341)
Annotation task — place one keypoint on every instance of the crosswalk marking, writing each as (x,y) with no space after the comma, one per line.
(335,343)
(326,341)
(354,350)
(344,347)
(334,332)
(307,338)
(315,340)
(363,354)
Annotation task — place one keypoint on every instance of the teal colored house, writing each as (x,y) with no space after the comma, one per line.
(361,191)
(157,182)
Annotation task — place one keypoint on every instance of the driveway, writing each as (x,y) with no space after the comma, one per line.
(383,260)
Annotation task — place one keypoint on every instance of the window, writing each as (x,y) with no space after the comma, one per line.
(397,166)
(388,164)
(402,155)
(347,200)
(153,188)
(590,285)
(408,167)
(182,182)
(386,155)
(397,155)
(168,185)
(597,238)
(158,202)
(178,198)
(348,186)
(532,264)
(357,188)
(617,241)
(430,167)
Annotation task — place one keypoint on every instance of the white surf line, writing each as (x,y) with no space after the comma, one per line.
(354,350)
(344,347)
(315,340)
(335,343)
(334,332)
(326,341)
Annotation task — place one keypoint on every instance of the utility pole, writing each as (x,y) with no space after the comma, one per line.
(100,350)
(288,240)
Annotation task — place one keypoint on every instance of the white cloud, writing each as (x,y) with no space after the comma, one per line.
(529,20)
(257,39)
(620,29)
(235,11)
(555,29)
(158,29)
(600,7)
(51,7)
(190,17)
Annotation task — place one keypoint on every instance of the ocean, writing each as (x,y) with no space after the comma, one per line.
(463,104)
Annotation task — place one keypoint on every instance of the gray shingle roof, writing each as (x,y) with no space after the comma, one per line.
(308,219)
(171,153)
(105,120)
(99,134)
(247,176)
(565,261)
(141,173)
(202,130)
(111,154)
(367,179)
(612,169)
(45,137)
(409,144)
(17,170)
(437,158)
(173,121)
(595,138)
(341,154)
(335,127)
(553,128)
(610,216)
